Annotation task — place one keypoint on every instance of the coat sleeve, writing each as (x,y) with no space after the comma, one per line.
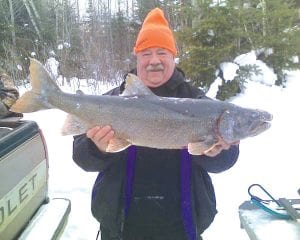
(87,156)
(223,161)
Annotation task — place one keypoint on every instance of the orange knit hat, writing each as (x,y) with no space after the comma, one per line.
(155,32)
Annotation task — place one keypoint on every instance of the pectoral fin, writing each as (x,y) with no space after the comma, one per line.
(74,126)
(117,145)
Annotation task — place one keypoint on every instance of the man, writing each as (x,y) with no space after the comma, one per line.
(158,194)
(8,95)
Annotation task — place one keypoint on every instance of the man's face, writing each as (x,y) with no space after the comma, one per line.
(155,66)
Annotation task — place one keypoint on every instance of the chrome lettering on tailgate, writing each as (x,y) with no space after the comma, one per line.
(16,199)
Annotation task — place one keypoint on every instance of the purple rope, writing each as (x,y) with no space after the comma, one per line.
(130,166)
(186,207)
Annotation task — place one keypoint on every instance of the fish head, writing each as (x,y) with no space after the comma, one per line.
(238,123)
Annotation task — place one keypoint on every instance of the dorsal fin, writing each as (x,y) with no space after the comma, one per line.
(135,87)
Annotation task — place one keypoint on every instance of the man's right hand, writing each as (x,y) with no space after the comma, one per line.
(100,136)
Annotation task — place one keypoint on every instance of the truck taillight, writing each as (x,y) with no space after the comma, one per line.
(45,146)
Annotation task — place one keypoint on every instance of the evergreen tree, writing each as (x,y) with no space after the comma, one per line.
(220,32)
(271,25)
(211,40)
(123,43)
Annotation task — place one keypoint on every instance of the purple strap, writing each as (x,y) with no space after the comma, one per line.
(185,185)
(186,202)
(131,157)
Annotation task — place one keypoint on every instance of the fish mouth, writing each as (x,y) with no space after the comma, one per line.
(262,124)
(257,129)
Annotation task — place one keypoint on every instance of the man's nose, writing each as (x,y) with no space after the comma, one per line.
(154,60)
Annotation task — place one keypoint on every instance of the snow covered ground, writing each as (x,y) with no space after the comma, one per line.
(270,159)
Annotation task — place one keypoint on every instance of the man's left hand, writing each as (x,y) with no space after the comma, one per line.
(219,147)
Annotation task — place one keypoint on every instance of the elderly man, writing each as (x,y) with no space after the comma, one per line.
(144,193)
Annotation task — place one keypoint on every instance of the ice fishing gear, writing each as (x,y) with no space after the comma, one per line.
(281,208)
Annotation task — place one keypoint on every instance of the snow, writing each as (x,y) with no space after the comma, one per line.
(229,70)
(52,67)
(269,159)
(266,75)
(247,58)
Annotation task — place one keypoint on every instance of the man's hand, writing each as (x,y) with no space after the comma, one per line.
(100,136)
(200,148)
(219,147)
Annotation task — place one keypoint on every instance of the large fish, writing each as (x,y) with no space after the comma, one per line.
(141,118)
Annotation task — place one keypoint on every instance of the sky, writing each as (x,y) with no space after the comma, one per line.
(270,159)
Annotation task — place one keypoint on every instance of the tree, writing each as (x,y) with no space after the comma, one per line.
(211,40)
(222,31)
(282,36)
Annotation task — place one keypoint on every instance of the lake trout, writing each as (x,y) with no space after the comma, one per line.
(141,118)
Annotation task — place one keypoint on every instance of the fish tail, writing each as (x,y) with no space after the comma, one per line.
(42,86)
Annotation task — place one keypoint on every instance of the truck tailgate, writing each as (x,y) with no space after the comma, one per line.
(23,176)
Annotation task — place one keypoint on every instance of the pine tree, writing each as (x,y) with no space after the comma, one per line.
(210,41)
(220,32)
(270,26)
(282,37)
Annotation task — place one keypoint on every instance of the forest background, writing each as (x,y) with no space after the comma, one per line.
(96,45)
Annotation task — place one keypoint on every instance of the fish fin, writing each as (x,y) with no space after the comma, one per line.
(40,79)
(199,148)
(73,126)
(117,145)
(29,102)
(135,87)
(42,85)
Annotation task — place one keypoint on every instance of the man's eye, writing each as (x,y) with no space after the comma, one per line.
(162,53)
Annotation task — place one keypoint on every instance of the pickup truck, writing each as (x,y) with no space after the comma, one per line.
(26,211)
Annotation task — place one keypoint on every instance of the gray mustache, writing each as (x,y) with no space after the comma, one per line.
(155,68)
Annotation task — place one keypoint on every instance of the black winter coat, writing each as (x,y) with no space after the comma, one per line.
(108,191)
